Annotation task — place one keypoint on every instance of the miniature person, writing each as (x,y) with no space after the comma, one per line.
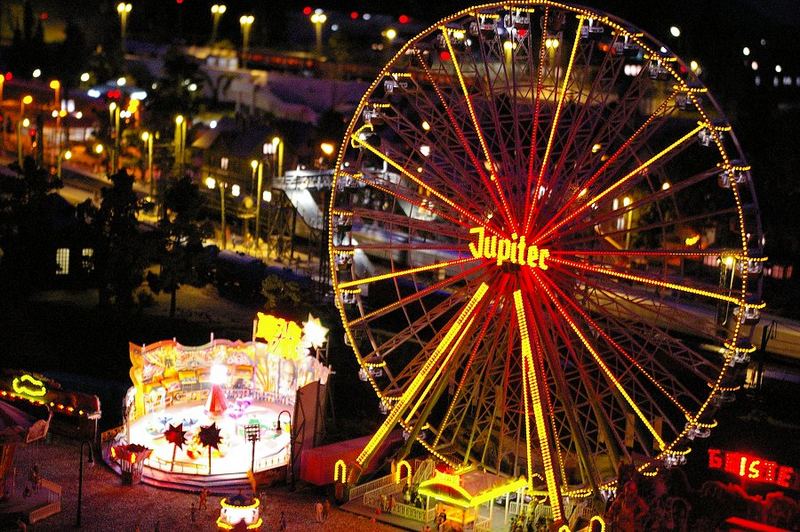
(318,509)
(34,477)
(193,511)
(326,510)
(628,510)
(203,499)
(282,522)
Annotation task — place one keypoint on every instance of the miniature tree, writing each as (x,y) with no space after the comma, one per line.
(210,438)
(177,437)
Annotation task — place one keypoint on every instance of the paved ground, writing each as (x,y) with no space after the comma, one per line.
(109,506)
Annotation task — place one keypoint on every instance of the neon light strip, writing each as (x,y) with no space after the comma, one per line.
(623,180)
(410,271)
(616,346)
(397,412)
(554,127)
(493,175)
(358,142)
(459,132)
(599,360)
(644,280)
(535,398)
(439,370)
(537,106)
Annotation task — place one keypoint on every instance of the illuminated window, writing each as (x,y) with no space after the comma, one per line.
(62,261)
(87,259)
(223,163)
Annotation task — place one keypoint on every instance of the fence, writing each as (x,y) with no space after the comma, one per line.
(53,505)
(358,491)
(188,468)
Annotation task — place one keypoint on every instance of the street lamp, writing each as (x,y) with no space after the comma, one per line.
(147,138)
(217,10)
(80,478)
(626,201)
(318,18)
(246,22)
(66,155)
(277,149)
(180,142)
(114,110)
(20,124)
(123,9)
(211,184)
(278,432)
(56,86)
(253,434)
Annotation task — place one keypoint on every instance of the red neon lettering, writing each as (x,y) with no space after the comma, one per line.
(785,474)
(715,459)
(769,471)
(753,471)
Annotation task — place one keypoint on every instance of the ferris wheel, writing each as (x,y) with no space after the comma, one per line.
(545,248)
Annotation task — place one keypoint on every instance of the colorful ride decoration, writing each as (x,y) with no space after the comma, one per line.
(274,365)
(558,204)
(131,459)
(210,439)
(177,437)
(237,510)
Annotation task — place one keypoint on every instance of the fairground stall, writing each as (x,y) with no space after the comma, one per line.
(222,409)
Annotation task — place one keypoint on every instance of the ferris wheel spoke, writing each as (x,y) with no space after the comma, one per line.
(455,329)
(554,126)
(467,367)
(506,212)
(403,128)
(534,397)
(478,166)
(418,295)
(642,280)
(619,350)
(537,108)
(402,273)
(598,359)
(416,179)
(636,172)
(626,147)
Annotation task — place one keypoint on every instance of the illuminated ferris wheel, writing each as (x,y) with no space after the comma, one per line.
(545,247)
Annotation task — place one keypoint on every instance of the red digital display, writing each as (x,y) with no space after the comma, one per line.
(752,468)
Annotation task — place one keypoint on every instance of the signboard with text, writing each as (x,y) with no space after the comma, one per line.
(753,468)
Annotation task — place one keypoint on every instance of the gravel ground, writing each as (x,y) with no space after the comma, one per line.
(110,506)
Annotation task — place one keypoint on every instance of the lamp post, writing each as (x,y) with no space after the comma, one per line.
(123,9)
(20,124)
(211,183)
(80,478)
(277,150)
(278,431)
(64,155)
(217,10)
(626,201)
(246,22)
(318,18)
(147,138)
(253,434)
(180,142)
(114,110)
(258,168)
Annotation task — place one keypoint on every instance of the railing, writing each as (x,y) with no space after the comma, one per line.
(413,512)
(373,498)
(483,525)
(291,182)
(360,490)
(54,502)
(190,468)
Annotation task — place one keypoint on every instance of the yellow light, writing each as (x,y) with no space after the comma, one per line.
(27,99)
(508,46)
(327,148)
(626,201)
(729,261)
(599,520)
(246,20)
(62,113)
(319,18)
(54,113)
(694,66)
(596,148)
(276,141)
(692,240)
(29,385)
(400,273)
(426,126)
(145,136)
(253,164)
(55,84)
(85,77)
(179,119)
(68,155)
(665,185)
(236,190)
(112,106)
(391,34)
(211,182)
(219,9)
(98,149)
(339,471)
(26,122)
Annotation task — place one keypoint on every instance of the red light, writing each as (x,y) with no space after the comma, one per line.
(307,10)
(403,19)
(354,15)
(32,133)
(179,1)
(9,76)
(683,69)
(444,55)
(43,15)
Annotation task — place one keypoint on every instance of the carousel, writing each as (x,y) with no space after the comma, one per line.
(220,410)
